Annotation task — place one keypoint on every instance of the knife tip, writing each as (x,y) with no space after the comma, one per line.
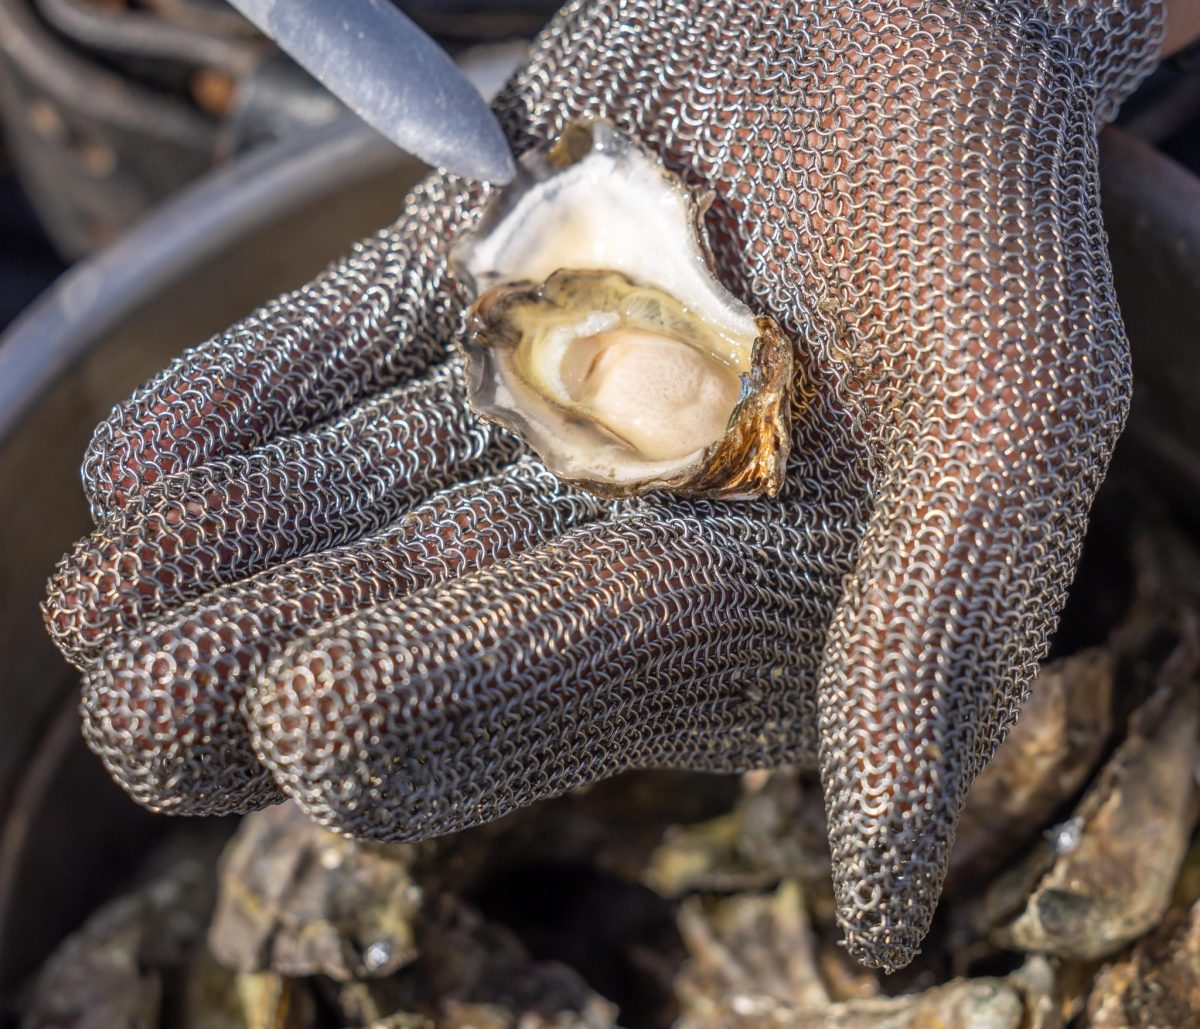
(503,172)
(494,166)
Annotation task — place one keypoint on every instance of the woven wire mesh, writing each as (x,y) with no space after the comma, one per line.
(316,574)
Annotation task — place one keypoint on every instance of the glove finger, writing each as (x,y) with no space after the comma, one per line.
(229,519)
(961,574)
(379,317)
(648,639)
(161,706)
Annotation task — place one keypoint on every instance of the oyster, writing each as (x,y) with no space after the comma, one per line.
(601,336)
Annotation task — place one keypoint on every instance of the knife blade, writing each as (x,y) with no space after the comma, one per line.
(392,75)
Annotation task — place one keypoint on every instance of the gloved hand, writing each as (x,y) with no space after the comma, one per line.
(316,574)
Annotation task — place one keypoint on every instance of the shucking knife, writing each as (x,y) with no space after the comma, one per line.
(393,76)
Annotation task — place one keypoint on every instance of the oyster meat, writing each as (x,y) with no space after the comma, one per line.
(600,335)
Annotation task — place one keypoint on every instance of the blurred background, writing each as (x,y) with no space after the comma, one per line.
(111,106)
(163,170)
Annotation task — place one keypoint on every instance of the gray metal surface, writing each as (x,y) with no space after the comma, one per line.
(96,295)
(393,76)
(1152,215)
(314,574)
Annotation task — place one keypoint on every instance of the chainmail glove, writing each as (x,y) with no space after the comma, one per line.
(317,574)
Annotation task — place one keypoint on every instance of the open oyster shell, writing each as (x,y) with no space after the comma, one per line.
(601,336)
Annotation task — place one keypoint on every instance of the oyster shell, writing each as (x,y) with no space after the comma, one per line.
(601,336)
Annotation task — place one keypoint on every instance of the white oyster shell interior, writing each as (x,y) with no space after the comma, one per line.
(616,209)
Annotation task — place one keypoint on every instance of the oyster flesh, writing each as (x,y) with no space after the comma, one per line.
(601,336)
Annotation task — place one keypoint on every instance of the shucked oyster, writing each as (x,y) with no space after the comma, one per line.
(601,336)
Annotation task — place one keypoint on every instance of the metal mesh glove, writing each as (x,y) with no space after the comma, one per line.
(316,574)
